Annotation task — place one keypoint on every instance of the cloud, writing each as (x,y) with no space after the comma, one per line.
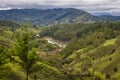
(92,6)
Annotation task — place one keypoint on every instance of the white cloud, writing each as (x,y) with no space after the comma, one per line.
(93,6)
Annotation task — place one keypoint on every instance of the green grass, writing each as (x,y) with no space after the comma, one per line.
(48,66)
(104,58)
(105,65)
(109,42)
(76,53)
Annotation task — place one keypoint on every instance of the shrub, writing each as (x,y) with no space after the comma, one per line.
(115,69)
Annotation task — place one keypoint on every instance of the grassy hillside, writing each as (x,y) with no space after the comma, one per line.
(94,54)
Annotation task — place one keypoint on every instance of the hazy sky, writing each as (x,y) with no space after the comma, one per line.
(92,6)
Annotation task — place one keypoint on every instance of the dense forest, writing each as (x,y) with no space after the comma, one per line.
(92,51)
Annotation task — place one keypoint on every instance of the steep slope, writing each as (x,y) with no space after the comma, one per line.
(48,16)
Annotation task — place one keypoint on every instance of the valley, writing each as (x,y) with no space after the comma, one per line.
(85,49)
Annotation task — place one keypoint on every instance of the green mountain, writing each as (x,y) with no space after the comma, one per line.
(49,16)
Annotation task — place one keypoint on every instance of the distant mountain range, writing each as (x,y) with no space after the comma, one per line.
(49,16)
(52,16)
(111,17)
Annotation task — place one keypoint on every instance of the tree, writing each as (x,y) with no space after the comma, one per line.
(24,50)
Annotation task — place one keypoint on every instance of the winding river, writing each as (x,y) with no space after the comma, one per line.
(59,43)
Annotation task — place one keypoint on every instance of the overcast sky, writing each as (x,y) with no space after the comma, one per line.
(92,6)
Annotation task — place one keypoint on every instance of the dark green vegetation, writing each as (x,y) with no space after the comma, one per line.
(8,23)
(93,52)
(49,16)
(63,32)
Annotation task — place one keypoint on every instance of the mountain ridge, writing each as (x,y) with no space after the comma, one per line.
(49,16)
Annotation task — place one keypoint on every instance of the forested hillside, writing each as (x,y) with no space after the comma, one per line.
(64,32)
(91,54)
